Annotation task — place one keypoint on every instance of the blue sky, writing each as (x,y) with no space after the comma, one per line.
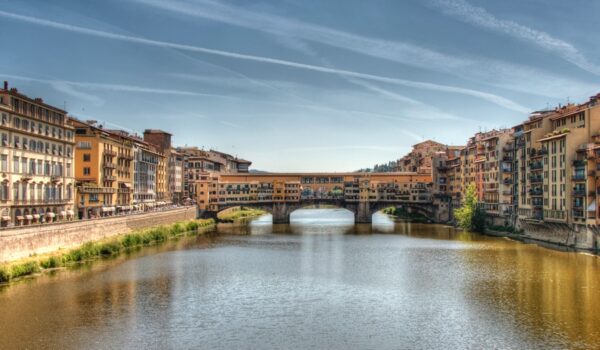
(303,85)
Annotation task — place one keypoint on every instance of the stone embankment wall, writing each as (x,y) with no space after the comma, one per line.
(576,236)
(21,242)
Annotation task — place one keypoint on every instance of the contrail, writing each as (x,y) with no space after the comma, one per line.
(498,100)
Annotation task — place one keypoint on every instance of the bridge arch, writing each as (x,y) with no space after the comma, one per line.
(363,211)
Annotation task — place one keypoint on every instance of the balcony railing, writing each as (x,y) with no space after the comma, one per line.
(110,178)
(40,201)
(579,177)
(579,162)
(536,192)
(536,179)
(578,192)
(108,152)
(535,166)
(110,165)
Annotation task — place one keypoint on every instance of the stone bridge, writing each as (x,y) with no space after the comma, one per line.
(281,194)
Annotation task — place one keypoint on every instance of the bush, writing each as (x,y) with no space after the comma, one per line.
(110,248)
(4,274)
(176,229)
(191,226)
(131,240)
(50,263)
(24,269)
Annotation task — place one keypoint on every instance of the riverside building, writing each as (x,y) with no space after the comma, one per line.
(36,161)
(104,170)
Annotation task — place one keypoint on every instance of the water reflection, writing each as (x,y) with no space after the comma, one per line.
(320,282)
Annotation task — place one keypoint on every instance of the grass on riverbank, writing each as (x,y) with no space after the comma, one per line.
(402,214)
(112,247)
(239,214)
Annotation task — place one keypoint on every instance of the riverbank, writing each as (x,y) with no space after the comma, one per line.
(239,215)
(21,242)
(103,248)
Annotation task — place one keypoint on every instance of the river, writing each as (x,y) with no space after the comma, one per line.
(319,283)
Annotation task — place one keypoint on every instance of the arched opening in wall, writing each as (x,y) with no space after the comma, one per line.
(322,219)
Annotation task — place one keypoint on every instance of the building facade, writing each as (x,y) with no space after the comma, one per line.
(104,170)
(36,161)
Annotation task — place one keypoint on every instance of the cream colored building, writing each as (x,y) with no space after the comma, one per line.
(36,161)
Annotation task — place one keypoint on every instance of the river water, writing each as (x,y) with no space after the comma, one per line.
(319,283)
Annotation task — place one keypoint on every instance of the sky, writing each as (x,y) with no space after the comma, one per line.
(303,85)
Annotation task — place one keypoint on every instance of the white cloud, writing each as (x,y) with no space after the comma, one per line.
(294,33)
(67,87)
(496,99)
(480,17)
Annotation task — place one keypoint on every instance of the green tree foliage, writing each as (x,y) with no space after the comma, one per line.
(469,216)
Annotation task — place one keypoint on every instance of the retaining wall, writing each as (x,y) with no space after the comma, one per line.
(21,242)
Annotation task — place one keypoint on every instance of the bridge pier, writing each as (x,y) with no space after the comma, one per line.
(281,213)
(363,214)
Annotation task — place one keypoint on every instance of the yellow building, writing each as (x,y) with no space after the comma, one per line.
(104,170)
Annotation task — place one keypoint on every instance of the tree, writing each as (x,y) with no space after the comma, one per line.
(469,216)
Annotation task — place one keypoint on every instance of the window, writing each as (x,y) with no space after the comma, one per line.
(86,171)
(4,163)
(4,191)
(17,142)
(15,164)
(87,157)
(84,145)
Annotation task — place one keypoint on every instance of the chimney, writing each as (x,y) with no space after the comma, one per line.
(5,85)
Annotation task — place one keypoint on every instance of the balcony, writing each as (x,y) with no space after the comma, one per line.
(536,166)
(578,192)
(108,152)
(579,177)
(125,156)
(538,153)
(536,179)
(110,178)
(92,189)
(110,165)
(579,162)
(55,178)
(536,192)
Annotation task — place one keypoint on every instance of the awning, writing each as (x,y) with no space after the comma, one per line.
(106,209)
(63,213)
(36,216)
(20,218)
(50,215)
(70,212)
(29,217)
(126,185)
(592,206)
(6,218)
